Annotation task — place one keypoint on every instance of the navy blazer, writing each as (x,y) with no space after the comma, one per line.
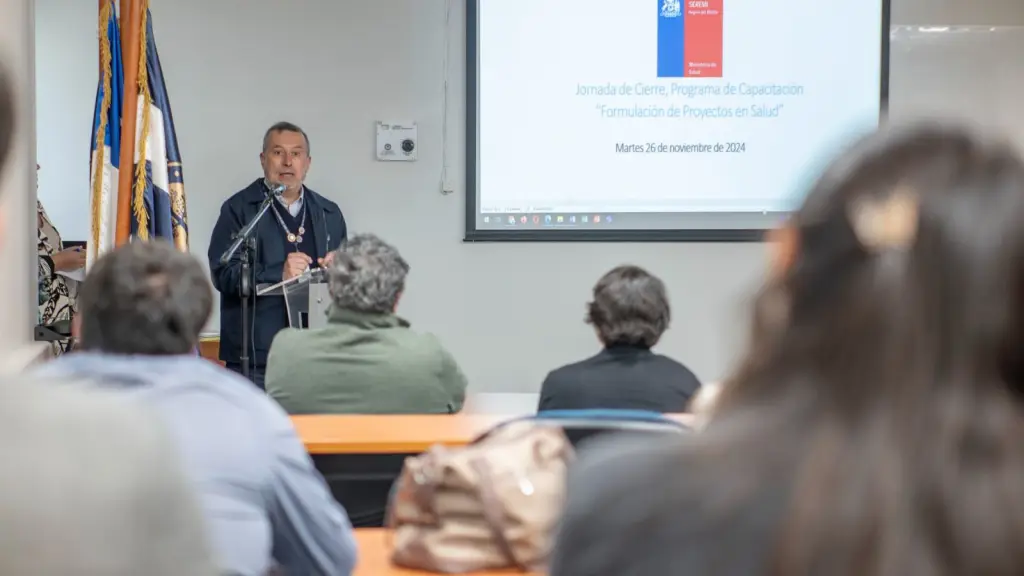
(269,312)
(620,377)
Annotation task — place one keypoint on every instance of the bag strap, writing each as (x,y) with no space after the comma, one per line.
(494,512)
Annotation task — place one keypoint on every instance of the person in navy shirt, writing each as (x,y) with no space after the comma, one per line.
(299,231)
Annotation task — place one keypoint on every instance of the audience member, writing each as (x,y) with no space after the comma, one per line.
(366,360)
(57,292)
(91,485)
(629,312)
(142,307)
(874,428)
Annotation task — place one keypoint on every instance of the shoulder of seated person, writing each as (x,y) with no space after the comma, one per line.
(330,335)
(570,370)
(420,339)
(613,452)
(431,339)
(675,364)
(667,359)
(635,468)
(288,335)
(571,376)
(719,515)
(688,458)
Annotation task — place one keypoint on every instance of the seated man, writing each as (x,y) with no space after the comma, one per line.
(629,312)
(141,309)
(366,360)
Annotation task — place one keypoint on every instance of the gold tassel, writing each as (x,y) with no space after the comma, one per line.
(145,99)
(97,183)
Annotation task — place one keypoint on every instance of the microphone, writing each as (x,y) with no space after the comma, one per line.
(277,189)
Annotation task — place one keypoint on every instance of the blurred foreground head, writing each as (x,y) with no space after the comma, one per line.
(886,357)
(900,279)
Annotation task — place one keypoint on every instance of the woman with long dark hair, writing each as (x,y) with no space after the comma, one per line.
(874,427)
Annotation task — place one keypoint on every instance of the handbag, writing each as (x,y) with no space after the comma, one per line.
(491,504)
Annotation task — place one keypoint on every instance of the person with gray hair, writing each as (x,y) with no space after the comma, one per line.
(366,360)
(629,313)
(367,275)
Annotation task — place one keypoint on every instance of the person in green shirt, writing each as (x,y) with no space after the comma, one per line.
(367,359)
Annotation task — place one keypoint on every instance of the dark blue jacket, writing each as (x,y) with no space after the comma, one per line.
(270,314)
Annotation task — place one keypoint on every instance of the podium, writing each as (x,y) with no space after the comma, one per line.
(305,297)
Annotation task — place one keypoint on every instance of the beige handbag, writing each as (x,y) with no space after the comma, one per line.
(492,504)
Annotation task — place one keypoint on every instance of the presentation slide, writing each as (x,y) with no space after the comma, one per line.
(662,115)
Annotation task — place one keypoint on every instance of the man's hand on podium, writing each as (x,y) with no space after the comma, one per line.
(295,265)
(325,262)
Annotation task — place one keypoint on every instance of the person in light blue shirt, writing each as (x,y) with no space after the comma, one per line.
(142,307)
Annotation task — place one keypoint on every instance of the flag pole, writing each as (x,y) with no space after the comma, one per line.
(96,188)
(131,22)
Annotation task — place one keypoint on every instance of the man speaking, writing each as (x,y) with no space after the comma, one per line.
(298,231)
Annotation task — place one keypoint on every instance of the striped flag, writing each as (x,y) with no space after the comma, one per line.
(158,191)
(106,136)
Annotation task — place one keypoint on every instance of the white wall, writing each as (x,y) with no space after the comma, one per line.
(509,312)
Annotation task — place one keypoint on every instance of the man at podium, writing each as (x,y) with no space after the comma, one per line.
(299,230)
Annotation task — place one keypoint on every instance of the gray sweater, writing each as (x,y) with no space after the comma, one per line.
(262,497)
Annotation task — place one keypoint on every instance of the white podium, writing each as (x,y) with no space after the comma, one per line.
(306,298)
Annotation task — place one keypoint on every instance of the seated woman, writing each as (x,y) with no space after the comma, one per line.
(57,293)
(629,312)
(875,426)
(366,360)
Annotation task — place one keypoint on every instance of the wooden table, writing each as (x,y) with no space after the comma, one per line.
(397,434)
(389,434)
(375,558)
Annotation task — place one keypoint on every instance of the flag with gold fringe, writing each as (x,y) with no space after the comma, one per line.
(158,188)
(106,135)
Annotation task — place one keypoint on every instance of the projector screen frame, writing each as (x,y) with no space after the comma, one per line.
(472,234)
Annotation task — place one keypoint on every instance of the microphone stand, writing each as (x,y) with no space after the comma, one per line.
(244,241)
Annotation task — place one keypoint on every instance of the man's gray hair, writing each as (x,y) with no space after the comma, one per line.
(284,127)
(367,275)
